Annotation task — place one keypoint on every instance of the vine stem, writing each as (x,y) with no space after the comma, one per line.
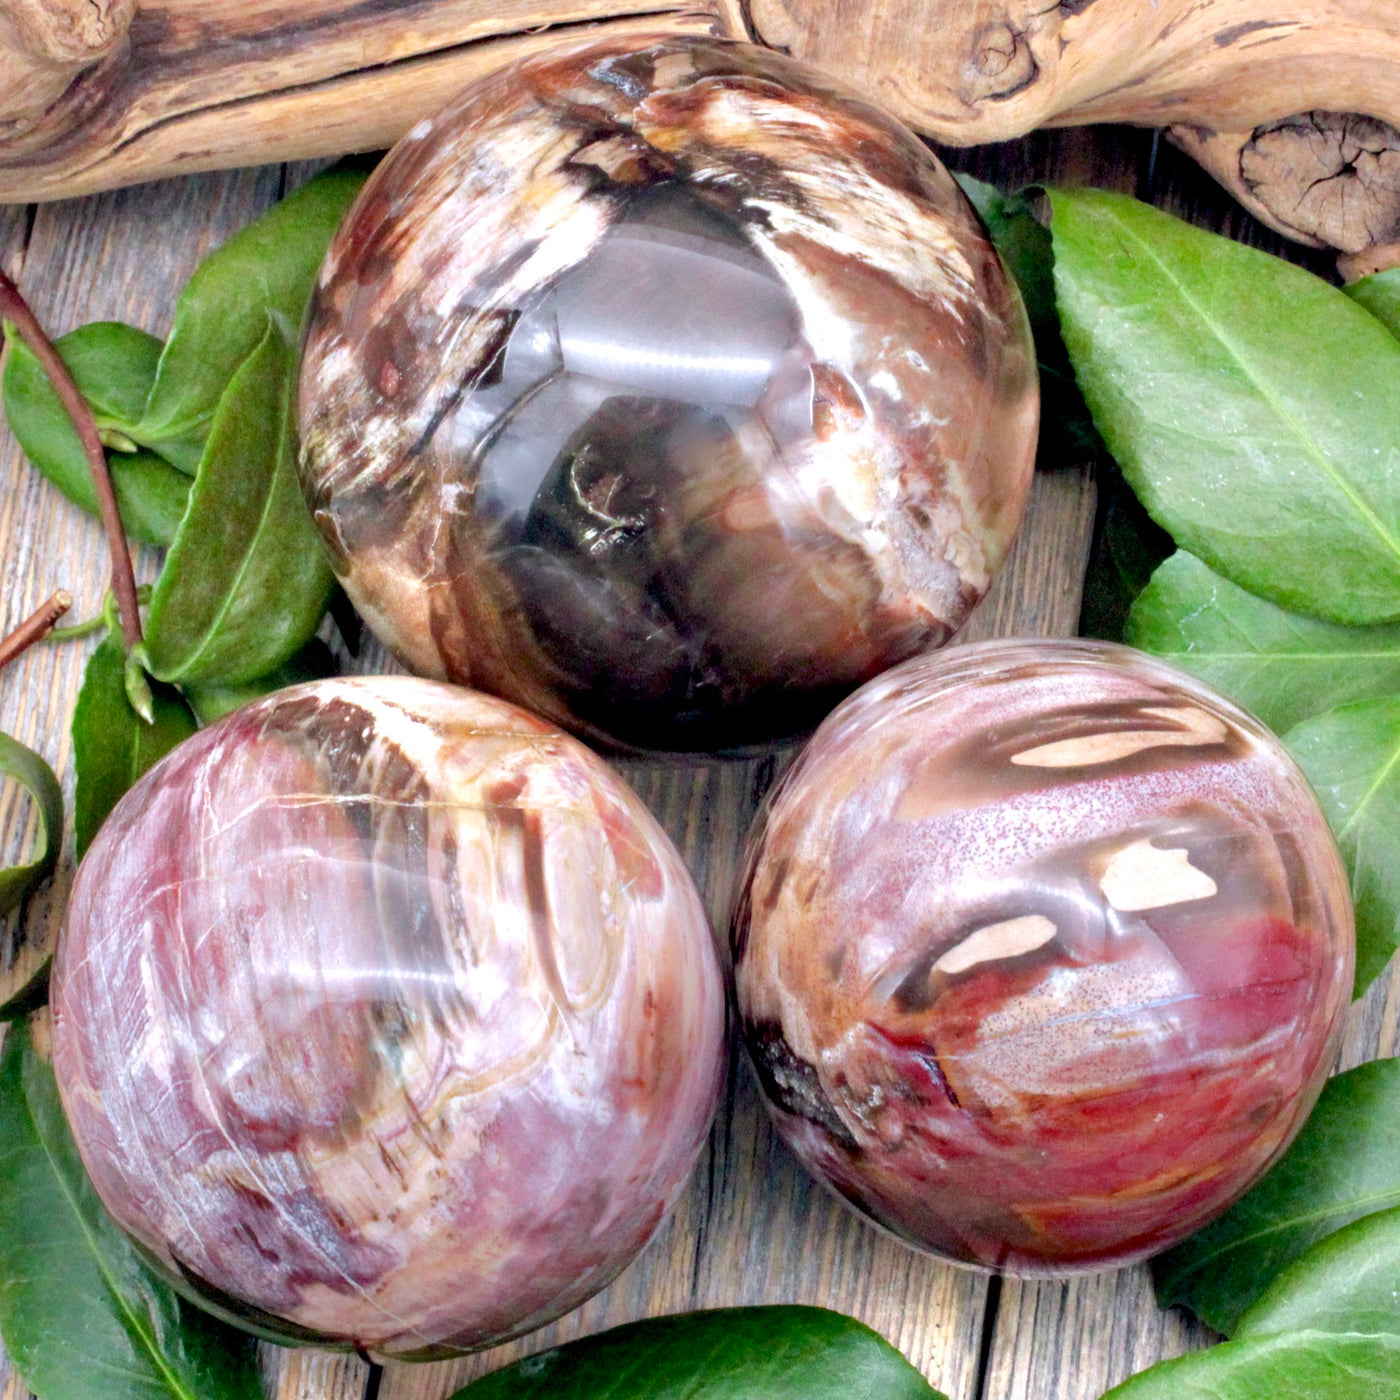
(15,309)
(34,628)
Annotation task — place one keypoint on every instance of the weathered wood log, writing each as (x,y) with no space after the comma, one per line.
(1296,109)
(159,87)
(1293,107)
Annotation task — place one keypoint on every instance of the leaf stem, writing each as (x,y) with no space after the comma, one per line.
(32,629)
(101,620)
(14,308)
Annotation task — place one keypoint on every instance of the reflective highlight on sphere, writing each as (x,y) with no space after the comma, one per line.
(1044,954)
(669,391)
(386,1014)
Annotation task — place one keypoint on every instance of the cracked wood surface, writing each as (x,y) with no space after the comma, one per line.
(752,1227)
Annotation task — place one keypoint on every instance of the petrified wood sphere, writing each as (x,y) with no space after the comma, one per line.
(386,1014)
(1044,954)
(670,392)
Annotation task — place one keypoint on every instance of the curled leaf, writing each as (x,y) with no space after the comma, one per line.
(25,945)
(25,767)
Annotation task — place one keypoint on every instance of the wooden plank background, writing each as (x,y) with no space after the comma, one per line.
(752,1227)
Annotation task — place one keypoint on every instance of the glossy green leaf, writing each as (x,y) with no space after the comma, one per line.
(1281,666)
(25,767)
(1380,295)
(1307,1365)
(1128,546)
(81,1315)
(313,662)
(1253,407)
(220,319)
(1352,759)
(1067,435)
(1348,1282)
(114,366)
(112,744)
(246,582)
(1345,1163)
(770,1353)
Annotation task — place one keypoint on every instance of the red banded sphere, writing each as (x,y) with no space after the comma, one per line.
(667,389)
(1043,955)
(386,1014)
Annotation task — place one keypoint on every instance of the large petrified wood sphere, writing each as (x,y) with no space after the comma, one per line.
(1044,954)
(669,391)
(386,1014)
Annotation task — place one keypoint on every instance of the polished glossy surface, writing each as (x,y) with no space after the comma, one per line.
(387,1014)
(1044,954)
(669,391)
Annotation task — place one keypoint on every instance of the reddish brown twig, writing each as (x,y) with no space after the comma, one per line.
(15,309)
(34,628)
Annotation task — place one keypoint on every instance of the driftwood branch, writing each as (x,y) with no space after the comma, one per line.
(1294,107)
(192,85)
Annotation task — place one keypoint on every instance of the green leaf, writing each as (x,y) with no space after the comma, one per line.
(1067,434)
(1352,758)
(1281,666)
(1380,295)
(114,366)
(25,767)
(28,950)
(1315,1365)
(112,744)
(1253,408)
(1344,1164)
(221,317)
(82,1316)
(768,1353)
(246,582)
(312,663)
(1128,546)
(1348,1282)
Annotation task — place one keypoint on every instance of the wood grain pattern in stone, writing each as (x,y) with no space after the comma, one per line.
(769,1233)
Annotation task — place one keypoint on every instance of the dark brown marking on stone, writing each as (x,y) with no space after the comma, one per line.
(792,1084)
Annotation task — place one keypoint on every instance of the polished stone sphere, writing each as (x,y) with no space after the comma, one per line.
(387,1015)
(1044,953)
(668,390)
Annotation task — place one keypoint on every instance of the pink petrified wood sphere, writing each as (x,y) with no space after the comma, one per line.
(1044,954)
(386,1014)
(667,389)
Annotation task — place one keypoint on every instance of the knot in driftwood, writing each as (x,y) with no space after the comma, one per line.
(1001,63)
(44,45)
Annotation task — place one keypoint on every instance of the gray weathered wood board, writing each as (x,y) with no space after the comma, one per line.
(752,1227)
